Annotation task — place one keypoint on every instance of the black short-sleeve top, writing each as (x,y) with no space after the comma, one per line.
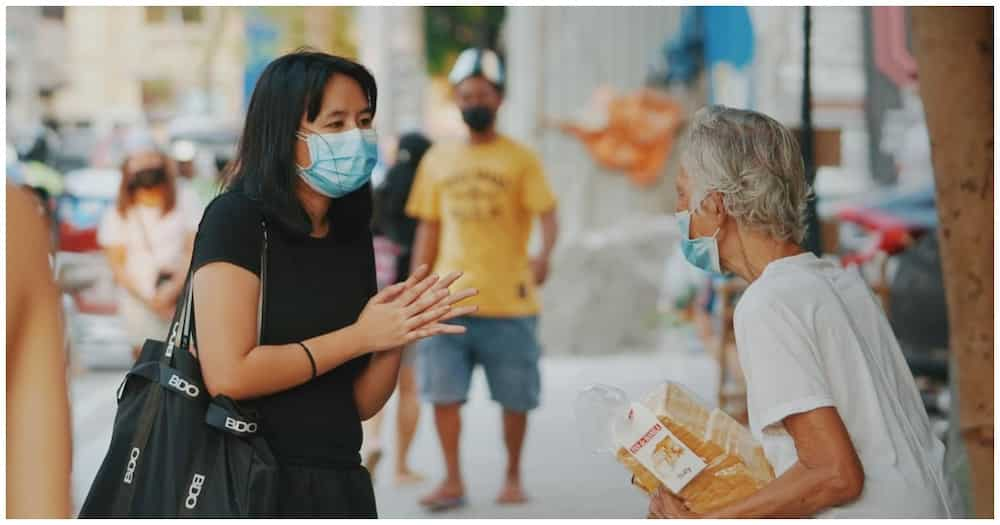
(314,286)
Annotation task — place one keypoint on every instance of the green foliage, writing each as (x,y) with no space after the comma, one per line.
(449,30)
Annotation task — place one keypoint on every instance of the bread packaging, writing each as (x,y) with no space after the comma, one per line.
(703,456)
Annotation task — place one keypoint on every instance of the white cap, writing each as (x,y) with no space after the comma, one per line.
(183,151)
(477,61)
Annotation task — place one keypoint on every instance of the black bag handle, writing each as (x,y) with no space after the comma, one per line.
(182,325)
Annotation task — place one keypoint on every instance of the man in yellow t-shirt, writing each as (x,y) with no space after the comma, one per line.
(476,202)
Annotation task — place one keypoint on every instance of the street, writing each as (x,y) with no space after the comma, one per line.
(561,478)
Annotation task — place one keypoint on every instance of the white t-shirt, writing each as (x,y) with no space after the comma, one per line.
(810,334)
(152,241)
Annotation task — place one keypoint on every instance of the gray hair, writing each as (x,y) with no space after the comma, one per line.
(755,163)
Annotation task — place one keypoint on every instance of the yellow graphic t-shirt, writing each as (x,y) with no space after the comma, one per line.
(485,197)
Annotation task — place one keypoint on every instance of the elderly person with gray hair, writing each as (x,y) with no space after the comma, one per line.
(829,393)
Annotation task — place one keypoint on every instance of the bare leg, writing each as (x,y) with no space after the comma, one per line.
(515,425)
(448,420)
(407,417)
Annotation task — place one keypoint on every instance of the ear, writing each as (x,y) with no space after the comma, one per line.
(715,209)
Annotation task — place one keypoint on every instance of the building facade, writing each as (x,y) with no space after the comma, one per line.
(125,63)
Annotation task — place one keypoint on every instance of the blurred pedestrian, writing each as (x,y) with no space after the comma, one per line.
(39,445)
(329,348)
(192,182)
(476,201)
(148,237)
(400,229)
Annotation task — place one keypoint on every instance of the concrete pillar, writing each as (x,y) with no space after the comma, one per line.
(391,45)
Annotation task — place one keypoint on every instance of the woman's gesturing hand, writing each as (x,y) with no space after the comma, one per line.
(414,309)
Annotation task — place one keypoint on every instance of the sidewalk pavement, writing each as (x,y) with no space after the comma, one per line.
(561,479)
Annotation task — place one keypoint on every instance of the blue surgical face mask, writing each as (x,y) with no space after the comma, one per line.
(340,163)
(702,252)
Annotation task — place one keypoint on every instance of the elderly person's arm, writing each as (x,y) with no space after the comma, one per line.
(828,473)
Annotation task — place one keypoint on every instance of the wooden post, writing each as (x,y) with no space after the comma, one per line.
(954,52)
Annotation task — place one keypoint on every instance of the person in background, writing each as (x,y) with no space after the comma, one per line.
(400,229)
(39,444)
(148,236)
(476,201)
(829,393)
(201,188)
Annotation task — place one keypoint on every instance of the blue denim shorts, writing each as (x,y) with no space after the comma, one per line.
(507,349)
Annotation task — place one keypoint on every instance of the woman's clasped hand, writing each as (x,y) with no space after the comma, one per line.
(413,309)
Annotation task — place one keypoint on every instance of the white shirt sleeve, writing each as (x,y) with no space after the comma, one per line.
(781,361)
(112,230)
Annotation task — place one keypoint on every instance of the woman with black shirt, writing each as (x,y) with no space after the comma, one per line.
(329,350)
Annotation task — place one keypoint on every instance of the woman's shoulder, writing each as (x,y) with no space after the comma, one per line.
(230,231)
(232,208)
(231,217)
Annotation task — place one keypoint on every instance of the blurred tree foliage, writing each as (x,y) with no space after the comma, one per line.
(449,30)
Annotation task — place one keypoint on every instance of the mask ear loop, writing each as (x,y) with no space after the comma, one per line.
(696,210)
(304,138)
(715,237)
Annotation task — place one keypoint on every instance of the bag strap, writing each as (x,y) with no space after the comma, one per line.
(263,284)
(183,327)
(144,427)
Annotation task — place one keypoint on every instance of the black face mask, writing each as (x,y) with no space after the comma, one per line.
(149,178)
(478,118)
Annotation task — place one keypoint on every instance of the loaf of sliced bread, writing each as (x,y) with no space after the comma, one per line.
(735,463)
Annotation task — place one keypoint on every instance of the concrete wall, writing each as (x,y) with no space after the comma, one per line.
(391,45)
(556,57)
(613,241)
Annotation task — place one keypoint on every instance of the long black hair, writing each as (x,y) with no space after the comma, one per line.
(264,167)
(391,215)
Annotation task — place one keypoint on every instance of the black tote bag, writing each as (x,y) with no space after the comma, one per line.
(174,451)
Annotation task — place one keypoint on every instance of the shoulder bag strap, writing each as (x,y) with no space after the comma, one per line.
(183,325)
(263,283)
